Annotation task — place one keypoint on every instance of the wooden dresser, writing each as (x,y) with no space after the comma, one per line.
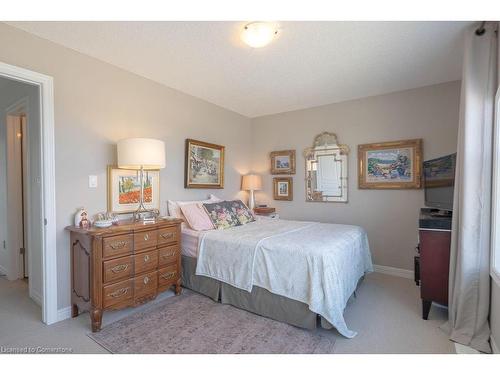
(123,265)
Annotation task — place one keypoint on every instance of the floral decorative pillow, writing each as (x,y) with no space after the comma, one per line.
(242,212)
(222,215)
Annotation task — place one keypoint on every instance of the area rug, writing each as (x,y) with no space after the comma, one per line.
(194,324)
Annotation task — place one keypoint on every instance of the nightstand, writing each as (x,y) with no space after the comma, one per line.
(266,211)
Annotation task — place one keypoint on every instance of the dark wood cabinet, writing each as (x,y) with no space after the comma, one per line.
(123,265)
(434,264)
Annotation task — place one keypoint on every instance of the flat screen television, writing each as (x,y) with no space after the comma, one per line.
(439,182)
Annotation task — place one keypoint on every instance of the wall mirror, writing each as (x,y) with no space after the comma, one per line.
(326,169)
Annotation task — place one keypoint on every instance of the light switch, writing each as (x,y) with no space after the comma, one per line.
(92,181)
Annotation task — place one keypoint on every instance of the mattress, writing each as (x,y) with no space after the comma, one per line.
(189,240)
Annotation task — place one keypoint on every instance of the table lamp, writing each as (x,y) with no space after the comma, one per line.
(251,182)
(141,154)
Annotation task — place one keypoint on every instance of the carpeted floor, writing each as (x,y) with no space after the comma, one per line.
(386,315)
(194,324)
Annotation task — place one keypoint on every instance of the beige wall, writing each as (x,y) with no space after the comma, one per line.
(97,104)
(389,216)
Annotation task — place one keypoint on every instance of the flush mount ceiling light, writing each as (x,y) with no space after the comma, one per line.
(259,34)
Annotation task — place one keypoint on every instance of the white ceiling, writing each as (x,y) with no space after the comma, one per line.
(309,64)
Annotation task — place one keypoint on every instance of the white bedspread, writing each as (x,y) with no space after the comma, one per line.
(317,264)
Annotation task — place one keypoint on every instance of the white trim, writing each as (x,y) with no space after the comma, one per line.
(494,346)
(462,349)
(495,196)
(495,276)
(35,296)
(64,313)
(393,271)
(49,256)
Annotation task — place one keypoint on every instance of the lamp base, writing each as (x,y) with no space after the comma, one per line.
(251,200)
(145,215)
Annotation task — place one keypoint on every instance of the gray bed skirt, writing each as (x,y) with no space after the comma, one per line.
(259,301)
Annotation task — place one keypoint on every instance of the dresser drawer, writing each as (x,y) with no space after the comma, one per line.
(168,275)
(117,245)
(167,255)
(146,261)
(118,269)
(145,284)
(145,240)
(168,236)
(118,293)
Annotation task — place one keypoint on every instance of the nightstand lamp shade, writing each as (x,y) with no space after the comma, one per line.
(141,154)
(251,182)
(137,153)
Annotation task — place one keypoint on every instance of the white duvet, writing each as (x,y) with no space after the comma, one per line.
(314,263)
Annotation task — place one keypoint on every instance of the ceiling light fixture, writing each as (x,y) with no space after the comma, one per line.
(259,34)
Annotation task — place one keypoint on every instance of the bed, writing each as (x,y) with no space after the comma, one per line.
(301,273)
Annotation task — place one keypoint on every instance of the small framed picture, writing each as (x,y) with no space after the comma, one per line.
(283,162)
(283,188)
(124,189)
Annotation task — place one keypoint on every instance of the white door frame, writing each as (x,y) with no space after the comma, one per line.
(49,255)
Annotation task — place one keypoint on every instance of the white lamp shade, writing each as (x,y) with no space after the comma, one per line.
(251,182)
(134,153)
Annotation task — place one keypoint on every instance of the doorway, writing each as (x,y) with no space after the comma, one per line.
(17,210)
(33,205)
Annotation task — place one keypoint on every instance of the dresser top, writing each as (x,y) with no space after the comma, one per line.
(125,226)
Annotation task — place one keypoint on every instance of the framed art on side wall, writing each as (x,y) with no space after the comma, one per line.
(124,189)
(390,165)
(204,165)
(283,188)
(283,162)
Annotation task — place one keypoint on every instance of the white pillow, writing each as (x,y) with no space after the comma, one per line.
(174,208)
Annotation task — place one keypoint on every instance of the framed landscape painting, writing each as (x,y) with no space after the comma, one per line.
(283,162)
(124,190)
(283,188)
(390,165)
(204,165)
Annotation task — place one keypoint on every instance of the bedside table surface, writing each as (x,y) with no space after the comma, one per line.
(264,210)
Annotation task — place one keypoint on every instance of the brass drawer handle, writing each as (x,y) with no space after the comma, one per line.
(146,258)
(146,280)
(168,275)
(119,268)
(146,237)
(169,255)
(119,292)
(118,245)
(167,236)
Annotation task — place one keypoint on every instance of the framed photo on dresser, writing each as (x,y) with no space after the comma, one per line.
(124,189)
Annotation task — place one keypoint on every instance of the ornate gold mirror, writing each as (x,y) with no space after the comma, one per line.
(326,169)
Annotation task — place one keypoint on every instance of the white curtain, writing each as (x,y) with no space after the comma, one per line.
(469,289)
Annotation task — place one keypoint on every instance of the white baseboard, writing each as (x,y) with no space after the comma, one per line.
(462,349)
(64,313)
(37,297)
(393,271)
(494,346)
